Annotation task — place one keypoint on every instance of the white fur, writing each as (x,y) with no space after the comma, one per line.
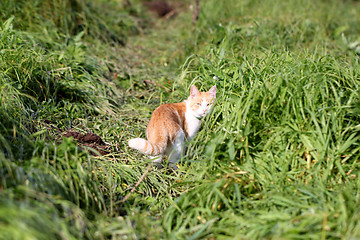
(177,149)
(139,144)
(193,122)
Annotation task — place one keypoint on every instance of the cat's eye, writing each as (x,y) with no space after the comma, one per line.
(198,104)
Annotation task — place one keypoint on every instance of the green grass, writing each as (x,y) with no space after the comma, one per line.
(278,158)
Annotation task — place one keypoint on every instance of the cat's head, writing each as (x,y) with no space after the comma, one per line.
(201,102)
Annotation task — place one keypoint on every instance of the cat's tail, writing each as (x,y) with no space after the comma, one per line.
(146,147)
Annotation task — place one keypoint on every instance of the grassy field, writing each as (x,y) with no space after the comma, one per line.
(278,158)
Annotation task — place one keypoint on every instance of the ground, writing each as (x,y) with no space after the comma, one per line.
(277,158)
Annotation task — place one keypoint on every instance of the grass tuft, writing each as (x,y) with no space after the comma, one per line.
(278,157)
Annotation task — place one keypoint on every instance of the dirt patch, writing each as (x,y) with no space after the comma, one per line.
(161,8)
(90,140)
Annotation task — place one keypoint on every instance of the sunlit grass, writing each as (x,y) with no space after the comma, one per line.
(277,158)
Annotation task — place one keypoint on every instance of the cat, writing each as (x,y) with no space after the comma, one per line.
(172,124)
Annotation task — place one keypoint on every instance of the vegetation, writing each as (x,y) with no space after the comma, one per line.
(277,158)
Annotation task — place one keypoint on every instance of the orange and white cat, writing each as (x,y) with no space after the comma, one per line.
(172,124)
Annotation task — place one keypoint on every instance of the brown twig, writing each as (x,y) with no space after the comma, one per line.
(61,69)
(137,184)
(148,82)
(128,3)
(196,12)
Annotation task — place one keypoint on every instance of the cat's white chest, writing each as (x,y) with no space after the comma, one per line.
(193,125)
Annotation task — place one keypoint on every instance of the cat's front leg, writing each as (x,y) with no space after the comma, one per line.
(177,150)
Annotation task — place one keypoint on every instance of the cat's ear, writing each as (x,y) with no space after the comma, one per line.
(212,92)
(194,91)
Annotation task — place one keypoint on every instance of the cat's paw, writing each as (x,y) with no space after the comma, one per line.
(173,166)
